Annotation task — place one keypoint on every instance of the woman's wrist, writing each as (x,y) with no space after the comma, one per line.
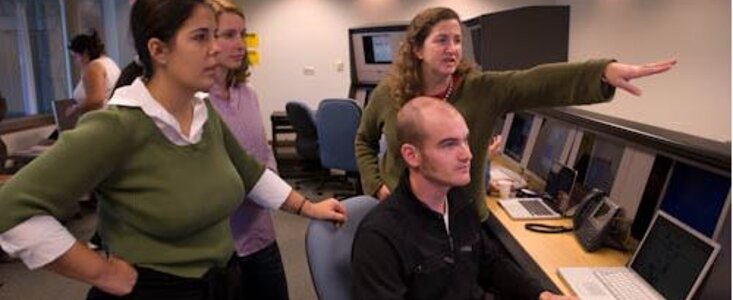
(302,204)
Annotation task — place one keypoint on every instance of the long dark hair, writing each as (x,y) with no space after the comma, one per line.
(149,19)
(89,44)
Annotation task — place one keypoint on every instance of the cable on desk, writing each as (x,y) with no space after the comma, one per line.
(543,228)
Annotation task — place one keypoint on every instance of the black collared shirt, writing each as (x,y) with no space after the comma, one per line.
(403,251)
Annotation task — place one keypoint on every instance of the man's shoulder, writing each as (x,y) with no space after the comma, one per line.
(385,217)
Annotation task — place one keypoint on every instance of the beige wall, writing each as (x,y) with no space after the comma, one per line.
(694,98)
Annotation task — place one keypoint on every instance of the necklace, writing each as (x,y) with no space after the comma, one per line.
(449,91)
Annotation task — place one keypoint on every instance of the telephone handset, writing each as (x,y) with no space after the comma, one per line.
(594,219)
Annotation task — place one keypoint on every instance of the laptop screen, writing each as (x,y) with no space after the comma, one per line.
(672,257)
(63,121)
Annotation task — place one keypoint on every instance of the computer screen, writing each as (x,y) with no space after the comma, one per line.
(372,51)
(63,120)
(377,49)
(671,258)
(518,134)
(560,179)
(599,174)
(548,148)
(696,197)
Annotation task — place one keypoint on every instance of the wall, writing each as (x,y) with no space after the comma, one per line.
(693,98)
(295,34)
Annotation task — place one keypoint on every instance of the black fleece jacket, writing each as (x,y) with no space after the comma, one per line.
(403,251)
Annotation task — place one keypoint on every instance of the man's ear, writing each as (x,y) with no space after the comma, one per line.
(410,155)
(158,51)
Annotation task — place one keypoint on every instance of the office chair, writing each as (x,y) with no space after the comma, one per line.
(329,250)
(337,121)
(302,118)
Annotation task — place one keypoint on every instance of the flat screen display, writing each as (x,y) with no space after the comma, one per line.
(548,149)
(696,197)
(377,49)
(518,134)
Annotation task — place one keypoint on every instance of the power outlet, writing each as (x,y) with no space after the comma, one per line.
(309,70)
(339,65)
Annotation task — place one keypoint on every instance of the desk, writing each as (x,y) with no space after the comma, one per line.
(543,253)
(280,124)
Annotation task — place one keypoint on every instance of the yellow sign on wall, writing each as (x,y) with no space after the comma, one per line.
(252,40)
(254,57)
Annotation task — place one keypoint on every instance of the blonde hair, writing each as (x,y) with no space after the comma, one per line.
(405,78)
(241,74)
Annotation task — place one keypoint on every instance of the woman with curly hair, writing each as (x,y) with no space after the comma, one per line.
(430,62)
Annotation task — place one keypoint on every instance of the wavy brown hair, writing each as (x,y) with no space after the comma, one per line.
(241,74)
(405,79)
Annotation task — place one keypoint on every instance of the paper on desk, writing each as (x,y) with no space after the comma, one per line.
(499,174)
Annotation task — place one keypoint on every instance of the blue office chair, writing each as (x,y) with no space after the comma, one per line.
(337,121)
(329,250)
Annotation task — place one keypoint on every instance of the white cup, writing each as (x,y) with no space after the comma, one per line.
(505,189)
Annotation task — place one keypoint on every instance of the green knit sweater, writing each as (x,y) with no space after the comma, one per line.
(482,97)
(161,206)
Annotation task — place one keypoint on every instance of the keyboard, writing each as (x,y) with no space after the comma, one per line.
(622,284)
(535,208)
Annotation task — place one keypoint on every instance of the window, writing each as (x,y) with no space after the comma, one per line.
(35,64)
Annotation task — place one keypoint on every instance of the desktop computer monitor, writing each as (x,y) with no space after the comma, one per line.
(372,51)
(697,197)
(597,162)
(518,135)
(599,175)
(549,147)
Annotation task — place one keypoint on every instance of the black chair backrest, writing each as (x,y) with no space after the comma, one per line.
(303,122)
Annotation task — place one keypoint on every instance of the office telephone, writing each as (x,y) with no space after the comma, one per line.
(594,220)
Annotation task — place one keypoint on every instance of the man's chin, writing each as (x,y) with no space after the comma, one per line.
(462,182)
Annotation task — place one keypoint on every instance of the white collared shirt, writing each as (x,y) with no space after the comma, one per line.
(42,239)
(138,95)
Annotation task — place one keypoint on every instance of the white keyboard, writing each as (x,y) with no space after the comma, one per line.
(622,284)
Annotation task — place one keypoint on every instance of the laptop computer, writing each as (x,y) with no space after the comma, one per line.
(64,121)
(670,263)
(560,183)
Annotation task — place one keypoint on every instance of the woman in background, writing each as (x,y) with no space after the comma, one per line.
(98,73)
(262,272)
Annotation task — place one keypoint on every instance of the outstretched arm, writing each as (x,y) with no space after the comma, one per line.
(620,75)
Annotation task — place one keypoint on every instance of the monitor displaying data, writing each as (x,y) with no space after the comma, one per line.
(549,147)
(518,134)
(696,197)
(377,49)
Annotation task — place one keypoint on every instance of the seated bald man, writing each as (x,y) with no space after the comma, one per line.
(425,241)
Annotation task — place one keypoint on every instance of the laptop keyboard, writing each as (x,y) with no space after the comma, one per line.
(535,208)
(621,284)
